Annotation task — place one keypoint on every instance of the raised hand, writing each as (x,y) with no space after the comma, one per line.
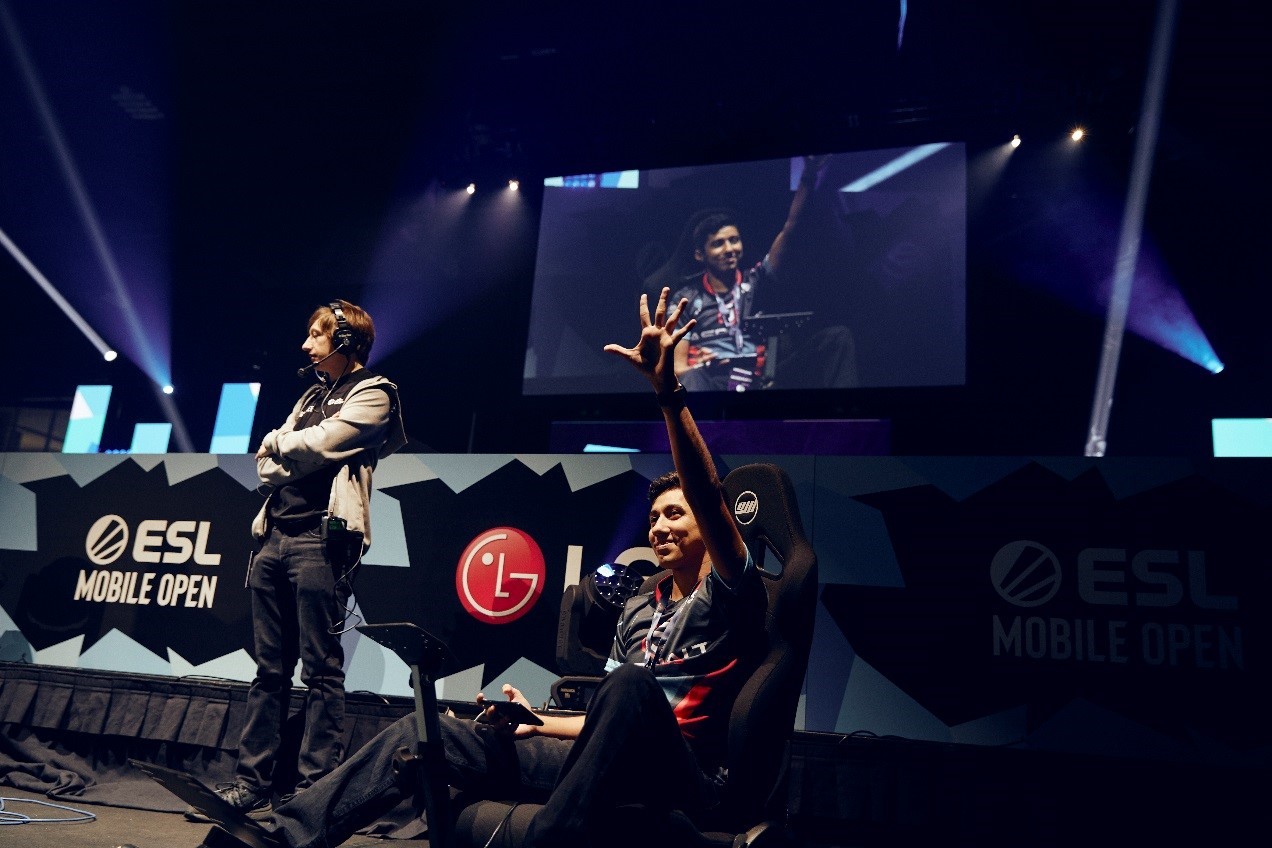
(653,353)
(814,164)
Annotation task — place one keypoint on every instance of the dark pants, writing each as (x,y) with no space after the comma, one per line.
(296,601)
(364,788)
(630,752)
(824,359)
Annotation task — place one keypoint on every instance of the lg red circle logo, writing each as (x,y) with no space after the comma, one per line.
(500,575)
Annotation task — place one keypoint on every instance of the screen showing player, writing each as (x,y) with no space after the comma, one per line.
(809,273)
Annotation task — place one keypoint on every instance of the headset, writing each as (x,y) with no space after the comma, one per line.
(345,339)
(344,336)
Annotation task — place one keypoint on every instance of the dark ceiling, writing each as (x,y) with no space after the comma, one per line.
(245,161)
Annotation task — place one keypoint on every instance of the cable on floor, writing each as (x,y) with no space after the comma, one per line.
(8,816)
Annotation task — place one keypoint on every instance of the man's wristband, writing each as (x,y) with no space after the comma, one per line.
(674,398)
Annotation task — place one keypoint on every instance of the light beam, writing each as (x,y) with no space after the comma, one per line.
(896,166)
(56,296)
(1132,229)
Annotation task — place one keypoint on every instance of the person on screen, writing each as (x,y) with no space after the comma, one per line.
(655,731)
(723,353)
(310,534)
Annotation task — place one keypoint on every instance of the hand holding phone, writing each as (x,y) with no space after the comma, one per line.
(514,712)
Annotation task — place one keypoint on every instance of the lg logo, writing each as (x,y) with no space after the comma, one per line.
(171,543)
(500,575)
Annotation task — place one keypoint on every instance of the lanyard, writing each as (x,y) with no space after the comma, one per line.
(652,657)
(730,310)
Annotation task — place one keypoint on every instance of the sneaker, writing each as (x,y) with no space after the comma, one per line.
(253,803)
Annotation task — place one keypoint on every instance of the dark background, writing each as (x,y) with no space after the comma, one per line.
(296,140)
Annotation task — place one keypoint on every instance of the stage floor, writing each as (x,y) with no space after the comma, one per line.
(117,826)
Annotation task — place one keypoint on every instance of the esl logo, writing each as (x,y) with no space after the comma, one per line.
(157,540)
(1025,573)
(746,507)
(107,540)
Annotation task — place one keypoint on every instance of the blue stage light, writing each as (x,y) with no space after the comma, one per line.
(894,167)
(151,438)
(610,179)
(88,419)
(1241,436)
(593,448)
(232,431)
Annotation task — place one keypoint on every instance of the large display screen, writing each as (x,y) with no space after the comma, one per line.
(822,272)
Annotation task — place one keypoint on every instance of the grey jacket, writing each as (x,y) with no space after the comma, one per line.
(367,428)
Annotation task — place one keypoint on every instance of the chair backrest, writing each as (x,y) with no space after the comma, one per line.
(763,717)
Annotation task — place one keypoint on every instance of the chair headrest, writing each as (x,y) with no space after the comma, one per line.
(762,497)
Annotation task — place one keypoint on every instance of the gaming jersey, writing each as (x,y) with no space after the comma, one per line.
(698,651)
(721,317)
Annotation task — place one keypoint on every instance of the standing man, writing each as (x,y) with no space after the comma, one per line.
(310,535)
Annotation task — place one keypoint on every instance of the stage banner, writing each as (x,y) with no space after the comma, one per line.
(139,563)
(126,564)
(1111,606)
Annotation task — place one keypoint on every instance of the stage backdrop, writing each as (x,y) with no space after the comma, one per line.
(1113,606)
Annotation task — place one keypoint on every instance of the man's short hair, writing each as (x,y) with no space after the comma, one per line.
(357,319)
(663,483)
(709,226)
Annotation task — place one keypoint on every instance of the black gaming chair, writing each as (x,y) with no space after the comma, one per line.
(763,716)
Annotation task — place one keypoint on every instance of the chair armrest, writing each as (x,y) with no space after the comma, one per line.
(573,693)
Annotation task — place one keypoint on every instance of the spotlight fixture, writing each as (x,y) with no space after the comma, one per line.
(167,390)
(110,355)
(513,185)
(1015,141)
(472,187)
(1078,134)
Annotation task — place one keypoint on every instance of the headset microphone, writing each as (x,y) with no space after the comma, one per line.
(302,372)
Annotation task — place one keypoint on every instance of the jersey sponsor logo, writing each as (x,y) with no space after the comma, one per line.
(746,507)
(336,401)
(500,575)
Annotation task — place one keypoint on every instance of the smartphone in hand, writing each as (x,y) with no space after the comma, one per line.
(513,711)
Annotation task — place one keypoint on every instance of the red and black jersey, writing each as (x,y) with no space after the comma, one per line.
(699,649)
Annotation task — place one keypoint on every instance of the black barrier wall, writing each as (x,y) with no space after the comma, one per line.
(1116,607)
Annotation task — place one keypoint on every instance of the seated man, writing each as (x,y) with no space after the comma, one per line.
(725,352)
(655,731)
